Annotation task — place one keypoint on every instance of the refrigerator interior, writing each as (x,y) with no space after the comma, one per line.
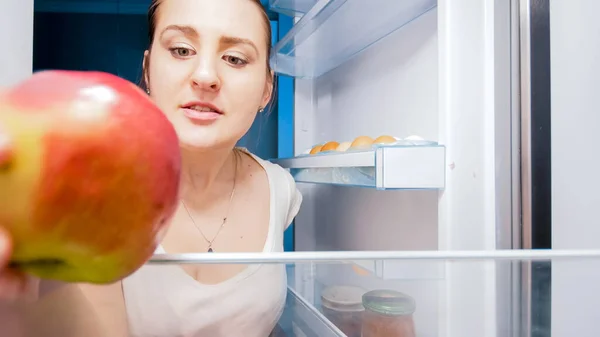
(444,71)
(445,76)
(448,75)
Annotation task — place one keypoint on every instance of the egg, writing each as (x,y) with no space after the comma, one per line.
(330,146)
(413,137)
(316,149)
(362,142)
(359,270)
(343,146)
(385,139)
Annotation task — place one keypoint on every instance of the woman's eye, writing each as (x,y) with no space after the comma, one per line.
(181,52)
(235,60)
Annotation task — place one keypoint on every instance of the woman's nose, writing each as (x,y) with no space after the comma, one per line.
(205,76)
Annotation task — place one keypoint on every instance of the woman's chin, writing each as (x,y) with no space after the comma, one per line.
(197,145)
(202,143)
(206,138)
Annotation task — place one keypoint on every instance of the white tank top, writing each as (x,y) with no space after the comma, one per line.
(165,301)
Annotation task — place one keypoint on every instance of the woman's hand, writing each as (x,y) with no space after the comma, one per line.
(13,284)
(5,148)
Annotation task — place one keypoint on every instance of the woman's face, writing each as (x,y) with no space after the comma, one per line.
(207,69)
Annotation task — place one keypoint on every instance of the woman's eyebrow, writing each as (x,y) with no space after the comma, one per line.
(188,31)
(231,40)
(192,33)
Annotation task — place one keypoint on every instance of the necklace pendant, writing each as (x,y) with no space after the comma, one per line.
(210,250)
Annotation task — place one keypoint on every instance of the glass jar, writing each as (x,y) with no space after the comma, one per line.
(388,313)
(342,305)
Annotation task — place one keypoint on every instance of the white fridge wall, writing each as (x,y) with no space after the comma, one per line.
(16,64)
(389,89)
(16,37)
(478,124)
(575,118)
(445,77)
(386,90)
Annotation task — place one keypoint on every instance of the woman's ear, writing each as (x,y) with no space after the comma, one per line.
(268,90)
(145,69)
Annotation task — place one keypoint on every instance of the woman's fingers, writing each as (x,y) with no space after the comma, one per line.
(13,284)
(5,148)
(5,248)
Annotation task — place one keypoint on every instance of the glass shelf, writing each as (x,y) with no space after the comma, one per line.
(326,298)
(291,7)
(479,294)
(333,31)
(383,167)
(301,318)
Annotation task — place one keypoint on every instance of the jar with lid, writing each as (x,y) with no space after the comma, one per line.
(388,313)
(342,305)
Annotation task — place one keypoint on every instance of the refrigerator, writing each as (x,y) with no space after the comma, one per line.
(482,209)
(507,90)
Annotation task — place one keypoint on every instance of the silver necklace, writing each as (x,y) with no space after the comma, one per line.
(210,242)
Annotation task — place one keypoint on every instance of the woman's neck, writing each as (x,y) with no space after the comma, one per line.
(203,171)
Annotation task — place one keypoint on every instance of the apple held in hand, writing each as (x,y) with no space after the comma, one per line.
(90,177)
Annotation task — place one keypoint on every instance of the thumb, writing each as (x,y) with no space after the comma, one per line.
(14,284)
(5,248)
(6,150)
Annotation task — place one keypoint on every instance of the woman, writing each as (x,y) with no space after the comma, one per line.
(207,69)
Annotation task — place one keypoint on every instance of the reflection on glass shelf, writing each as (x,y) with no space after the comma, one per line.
(93,6)
(291,7)
(300,318)
(341,292)
(333,31)
(382,167)
(477,296)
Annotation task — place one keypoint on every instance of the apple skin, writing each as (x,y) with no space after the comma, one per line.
(90,177)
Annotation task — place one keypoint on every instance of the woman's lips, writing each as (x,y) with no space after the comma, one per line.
(201,116)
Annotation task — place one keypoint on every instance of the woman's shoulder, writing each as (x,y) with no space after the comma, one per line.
(280,176)
(286,193)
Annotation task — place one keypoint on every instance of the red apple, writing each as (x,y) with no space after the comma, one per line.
(90,177)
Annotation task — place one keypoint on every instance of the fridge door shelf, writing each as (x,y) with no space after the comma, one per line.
(291,7)
(385,167)
(333,31)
